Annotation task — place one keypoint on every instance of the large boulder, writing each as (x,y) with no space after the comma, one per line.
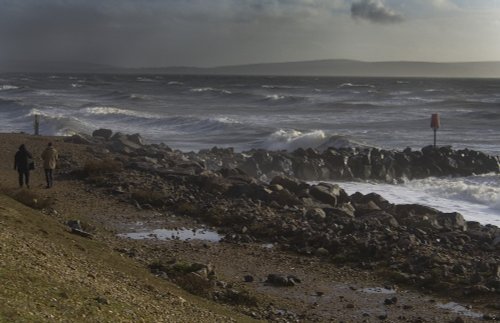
(79,138)
(122,144)
(290,184)
(452,221)
(103,133)
(330,194)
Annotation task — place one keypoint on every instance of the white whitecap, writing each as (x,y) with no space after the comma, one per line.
(109,110)
(347,85)
(275,97)
(7,87)
(293,139)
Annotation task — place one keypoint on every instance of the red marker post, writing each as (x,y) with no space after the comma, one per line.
(435,123)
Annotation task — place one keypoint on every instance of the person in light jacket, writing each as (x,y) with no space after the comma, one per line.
(22,161)
(49,157)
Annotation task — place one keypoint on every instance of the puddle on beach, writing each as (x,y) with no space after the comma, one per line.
(459,309)
(378,290)
(181,234)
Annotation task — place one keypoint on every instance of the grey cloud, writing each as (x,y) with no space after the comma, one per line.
(151,32)
(374,11)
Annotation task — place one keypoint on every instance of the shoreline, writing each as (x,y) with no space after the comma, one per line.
(306,223)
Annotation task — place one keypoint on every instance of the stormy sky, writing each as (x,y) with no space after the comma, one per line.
(142,33)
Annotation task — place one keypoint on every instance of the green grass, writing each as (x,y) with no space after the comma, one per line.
(48,275)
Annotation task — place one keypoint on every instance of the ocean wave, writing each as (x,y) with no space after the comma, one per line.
(482,115)
(138,97)
(275,97)
(197,125)
(482,189)
(145,79)
(110,110)
(348,85)
(114,95)
(292,139)
(210,89)
(279,98)
(475,197)
(175,83)
(8,87)
(8,101)
(265,86)
(400,93)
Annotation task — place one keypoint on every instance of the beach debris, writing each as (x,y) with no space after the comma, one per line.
(282,281)
(76,228)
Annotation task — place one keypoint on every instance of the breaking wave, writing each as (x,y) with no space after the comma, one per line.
(477,198)
(99,111)
(348,85)
(293,139)
(482,189)
(7,87)
(210,89)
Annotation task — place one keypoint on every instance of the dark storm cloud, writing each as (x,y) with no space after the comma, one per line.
(143,32)
(374,11)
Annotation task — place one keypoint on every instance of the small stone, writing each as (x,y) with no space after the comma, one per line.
(382,317)
(102,300)
(391,301)
(488,317)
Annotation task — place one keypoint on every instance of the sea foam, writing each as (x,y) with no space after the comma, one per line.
(477,198)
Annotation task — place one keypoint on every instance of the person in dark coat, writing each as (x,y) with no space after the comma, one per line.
(22,165)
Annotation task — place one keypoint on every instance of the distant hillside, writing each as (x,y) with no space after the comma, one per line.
(304,68)
(352,68)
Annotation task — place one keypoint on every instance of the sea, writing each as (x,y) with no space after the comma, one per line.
(189,113)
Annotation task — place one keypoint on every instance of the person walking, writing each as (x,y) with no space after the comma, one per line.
(23,163)
(50,157)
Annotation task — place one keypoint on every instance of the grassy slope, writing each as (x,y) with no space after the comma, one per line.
(49,274)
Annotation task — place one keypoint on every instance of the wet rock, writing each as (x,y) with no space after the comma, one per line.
(79,138)
(102,133)
(321,252)
(391,301)
(328,194)
(248,278)
(102,300)
(282,281)
(452,221)
(290,184)
(136,139)
(316,214)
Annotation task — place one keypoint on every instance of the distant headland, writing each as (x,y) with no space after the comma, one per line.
(323,68)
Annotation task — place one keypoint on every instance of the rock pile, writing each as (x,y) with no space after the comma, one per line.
(413,244)
(353,163)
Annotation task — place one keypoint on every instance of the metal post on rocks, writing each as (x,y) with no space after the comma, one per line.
(37,124)
(435,123)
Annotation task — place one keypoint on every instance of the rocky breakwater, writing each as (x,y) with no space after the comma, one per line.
(353,163)
(411,244)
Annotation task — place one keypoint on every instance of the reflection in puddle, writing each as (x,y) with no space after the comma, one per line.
(181,234)
(378,290)
(459,309)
